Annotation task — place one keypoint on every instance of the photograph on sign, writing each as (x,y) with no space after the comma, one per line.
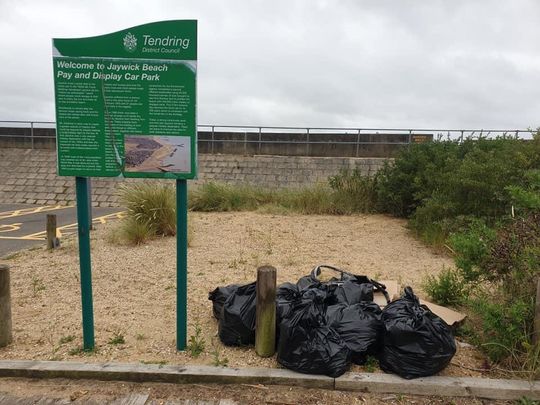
(157,154)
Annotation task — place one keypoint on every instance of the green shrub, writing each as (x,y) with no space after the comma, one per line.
(447,288)
(353,192)
(503,328)
(472,249)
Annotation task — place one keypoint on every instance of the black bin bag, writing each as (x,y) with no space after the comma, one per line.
(360,326)
(347,288)
(416,342)
(219,296)
(307,344)
(237,319)
(286,295)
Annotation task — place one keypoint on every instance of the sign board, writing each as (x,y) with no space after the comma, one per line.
(126,102)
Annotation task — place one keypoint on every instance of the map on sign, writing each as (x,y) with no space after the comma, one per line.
(126,102)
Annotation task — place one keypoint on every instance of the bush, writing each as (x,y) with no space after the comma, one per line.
(447,288)
(472,249)
(353,192)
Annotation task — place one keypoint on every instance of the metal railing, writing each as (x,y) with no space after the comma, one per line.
(307,136)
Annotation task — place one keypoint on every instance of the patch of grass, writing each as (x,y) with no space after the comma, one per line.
(340,196)
(131,232)
(66,339)
(151,203)
(117,338)
(196,343)
(79,350)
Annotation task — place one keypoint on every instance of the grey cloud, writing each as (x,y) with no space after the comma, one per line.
(311,63)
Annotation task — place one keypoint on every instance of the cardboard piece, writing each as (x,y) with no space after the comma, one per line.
(451,317)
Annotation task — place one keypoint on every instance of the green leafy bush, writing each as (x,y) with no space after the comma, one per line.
(447,288)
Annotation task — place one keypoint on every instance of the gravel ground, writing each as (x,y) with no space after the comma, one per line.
(134,287)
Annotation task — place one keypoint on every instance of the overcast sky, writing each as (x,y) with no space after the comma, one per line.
(419,64)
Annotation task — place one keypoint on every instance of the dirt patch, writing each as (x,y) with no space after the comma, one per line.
(134,288)
(99,392)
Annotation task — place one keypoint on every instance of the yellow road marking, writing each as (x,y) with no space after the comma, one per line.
(67,229)
(10,227)
(32,210)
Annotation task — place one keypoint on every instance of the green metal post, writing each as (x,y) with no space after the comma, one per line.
(83,221)
(181,264)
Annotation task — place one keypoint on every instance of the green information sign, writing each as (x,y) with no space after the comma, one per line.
(126,102)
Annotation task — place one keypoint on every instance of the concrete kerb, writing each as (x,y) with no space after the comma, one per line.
(363,382)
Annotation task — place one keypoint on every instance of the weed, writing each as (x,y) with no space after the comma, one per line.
(447,288)
(117,338)
(196,343)
(217,360)
(371,364)
(37,285)
(140,336)
(79,350)
(66,339)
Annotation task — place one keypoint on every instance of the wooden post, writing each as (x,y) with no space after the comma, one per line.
(5,306)
(52,240)
(536,332)
(265,329)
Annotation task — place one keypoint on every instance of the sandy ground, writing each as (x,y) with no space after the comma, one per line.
(134,288)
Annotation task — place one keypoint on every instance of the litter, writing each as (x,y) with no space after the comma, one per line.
(325,324)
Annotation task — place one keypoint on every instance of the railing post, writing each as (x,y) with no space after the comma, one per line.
(212,147)
(245,143)
(410,136)
(307,142)
(358,142)
(260,138)
(461,138)
(32,134)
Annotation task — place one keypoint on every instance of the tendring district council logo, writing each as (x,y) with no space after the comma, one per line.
(130,42)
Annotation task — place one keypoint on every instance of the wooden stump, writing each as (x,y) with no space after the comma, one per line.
(5,306)
(265,330)
(52,240)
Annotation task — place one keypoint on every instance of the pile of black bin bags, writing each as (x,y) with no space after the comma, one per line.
(324,326)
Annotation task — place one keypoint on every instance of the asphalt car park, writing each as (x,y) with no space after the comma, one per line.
(23,225)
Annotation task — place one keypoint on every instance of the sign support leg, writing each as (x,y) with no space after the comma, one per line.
(181,264)
(83,222)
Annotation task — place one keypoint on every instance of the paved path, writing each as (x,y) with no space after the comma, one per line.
(23,225)
(131,399)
